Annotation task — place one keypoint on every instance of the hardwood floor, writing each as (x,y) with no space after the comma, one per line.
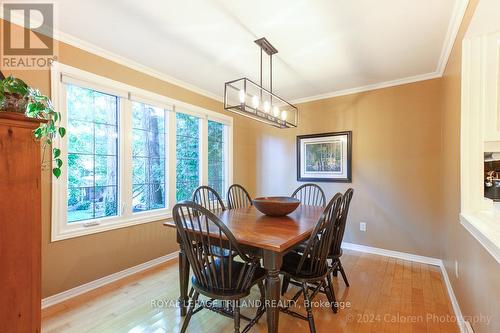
(386,295)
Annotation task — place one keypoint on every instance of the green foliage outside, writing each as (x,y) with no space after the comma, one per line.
(188,156)
(148,157)
(92,154)
(216,163)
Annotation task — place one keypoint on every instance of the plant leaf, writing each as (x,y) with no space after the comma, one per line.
(38,133)
(59,162)
(56,172)
(62,132)
(57,152)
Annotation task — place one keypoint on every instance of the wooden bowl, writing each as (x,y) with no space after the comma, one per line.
(276,206)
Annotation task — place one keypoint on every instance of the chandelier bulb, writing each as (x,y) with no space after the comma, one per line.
(255,102)
(242,96)
(283,115)
(276,111)
(267,107)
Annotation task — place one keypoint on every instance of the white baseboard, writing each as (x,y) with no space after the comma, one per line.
(392,254)
(67,294)
(421,259)
(464,328)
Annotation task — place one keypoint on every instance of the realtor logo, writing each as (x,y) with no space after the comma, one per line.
(27,36)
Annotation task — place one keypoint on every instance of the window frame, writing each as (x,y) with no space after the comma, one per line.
(129,178)
(126,94)
(478,214)
(226,183)
(201,136)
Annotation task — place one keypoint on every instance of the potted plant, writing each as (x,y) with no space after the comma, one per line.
(17,96)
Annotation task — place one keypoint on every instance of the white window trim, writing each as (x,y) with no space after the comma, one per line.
(59,228)
(479,215)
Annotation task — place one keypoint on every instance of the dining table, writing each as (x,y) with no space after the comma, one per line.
(266,237)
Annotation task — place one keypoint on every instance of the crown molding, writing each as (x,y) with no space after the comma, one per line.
(91,48)
(375,86)
(96,50)
(452,32)
(451,35)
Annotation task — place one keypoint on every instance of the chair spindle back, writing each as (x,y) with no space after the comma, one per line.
(310,194)
(208,198)
(341,222)
(313,261)
(238,197)
(201,233)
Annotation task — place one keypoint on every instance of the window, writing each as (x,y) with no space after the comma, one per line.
(148,157)
(188,155)
(129,155)
(216,153)
(92,154)
(480,139)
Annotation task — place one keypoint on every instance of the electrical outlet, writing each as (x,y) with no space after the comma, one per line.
(362,226)
(456,269)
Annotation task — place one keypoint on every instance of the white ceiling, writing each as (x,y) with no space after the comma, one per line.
(325,46)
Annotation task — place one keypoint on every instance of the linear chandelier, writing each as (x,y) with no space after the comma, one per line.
(245,97)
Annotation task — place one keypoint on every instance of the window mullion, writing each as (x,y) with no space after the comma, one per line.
(125,130)
(172,159)
(60,190)
(204,151)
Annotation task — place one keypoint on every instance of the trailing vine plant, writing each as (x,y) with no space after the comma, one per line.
(16,92)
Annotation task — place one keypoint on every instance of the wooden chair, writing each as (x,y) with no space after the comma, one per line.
(336,251)
(208,198)
(310,194)
(217,277)
(310,269)
(238,197)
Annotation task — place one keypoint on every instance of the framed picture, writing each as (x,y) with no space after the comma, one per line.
(324,157)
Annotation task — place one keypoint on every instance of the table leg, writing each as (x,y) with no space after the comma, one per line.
(184,281)
(272,263)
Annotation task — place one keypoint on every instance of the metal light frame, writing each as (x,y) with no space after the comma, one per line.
(257,113)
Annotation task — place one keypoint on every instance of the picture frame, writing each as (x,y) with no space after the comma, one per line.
(325,157)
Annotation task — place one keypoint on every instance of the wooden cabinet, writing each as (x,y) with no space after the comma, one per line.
(20,225)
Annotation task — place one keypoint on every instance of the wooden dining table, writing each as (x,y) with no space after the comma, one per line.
(269,238)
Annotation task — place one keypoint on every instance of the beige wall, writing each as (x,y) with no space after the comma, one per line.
(396,163)
(69,263)
(478,284)
(405,176)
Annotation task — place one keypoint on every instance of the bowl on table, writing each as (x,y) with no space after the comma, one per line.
(276,206)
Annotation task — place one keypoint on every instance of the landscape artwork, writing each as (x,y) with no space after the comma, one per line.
(324,157)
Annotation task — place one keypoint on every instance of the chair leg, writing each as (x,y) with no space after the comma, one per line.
(190,312)
(330,293)
(334,267)
(344,276)
(286,283)
(262,290)
(236,316)
(307,300)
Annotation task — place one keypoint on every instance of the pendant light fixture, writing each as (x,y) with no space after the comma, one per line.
(245,97)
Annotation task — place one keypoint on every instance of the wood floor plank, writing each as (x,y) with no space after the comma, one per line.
(384,293)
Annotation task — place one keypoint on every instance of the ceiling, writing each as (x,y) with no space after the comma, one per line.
(326,47)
